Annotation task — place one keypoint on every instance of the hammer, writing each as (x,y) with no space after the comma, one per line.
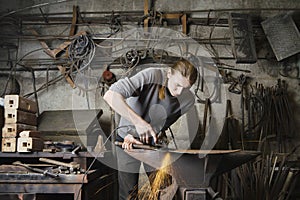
(71,165)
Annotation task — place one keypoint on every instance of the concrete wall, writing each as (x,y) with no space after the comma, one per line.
(60,96)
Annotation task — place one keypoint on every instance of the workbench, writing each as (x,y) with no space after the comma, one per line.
(97,183)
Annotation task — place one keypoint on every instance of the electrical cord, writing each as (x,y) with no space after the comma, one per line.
(95,158)
(34,6)
(81,52)
(45,86)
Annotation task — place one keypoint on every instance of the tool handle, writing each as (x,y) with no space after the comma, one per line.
(55,162)
(137,146)
(75,151)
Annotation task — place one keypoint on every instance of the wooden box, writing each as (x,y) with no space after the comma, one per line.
(8,145)
(29,133)
(20,103)
(29,144)
(13,130)
(17,116)
(1,117)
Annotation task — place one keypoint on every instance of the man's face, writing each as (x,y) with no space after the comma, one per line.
(177,83)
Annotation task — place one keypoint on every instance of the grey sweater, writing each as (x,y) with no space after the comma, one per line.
(141,93)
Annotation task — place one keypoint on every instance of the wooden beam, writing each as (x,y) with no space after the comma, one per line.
(171,15)
(184,25)
(179,16)
(74,21)
(65,44)
(146,13)
(67,76)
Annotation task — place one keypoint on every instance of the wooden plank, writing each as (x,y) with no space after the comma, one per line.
(53,53)
(74,21)
(65,44)
(184,24)
(146,13)
(60,48)
(172,15)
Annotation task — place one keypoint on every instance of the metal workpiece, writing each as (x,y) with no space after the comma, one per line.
(141,146)
(44,172)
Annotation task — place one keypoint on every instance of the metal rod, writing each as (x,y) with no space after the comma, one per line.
(45,172)
(138,146)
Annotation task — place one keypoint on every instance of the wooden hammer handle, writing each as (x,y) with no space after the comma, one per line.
(55,162)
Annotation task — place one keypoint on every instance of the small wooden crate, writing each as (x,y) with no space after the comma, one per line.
(13,130)
(20,103)
(29,144)
(17,116)
(8,144)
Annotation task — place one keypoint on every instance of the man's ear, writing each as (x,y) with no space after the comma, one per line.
(169,72)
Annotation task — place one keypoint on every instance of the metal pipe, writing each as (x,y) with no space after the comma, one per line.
(138,146)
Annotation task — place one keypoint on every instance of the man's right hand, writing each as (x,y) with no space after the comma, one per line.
(128,141)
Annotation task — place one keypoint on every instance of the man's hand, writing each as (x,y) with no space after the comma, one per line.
(145,131)
(128,141)
(118,103)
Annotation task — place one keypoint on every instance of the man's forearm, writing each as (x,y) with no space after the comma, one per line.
(117,102)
